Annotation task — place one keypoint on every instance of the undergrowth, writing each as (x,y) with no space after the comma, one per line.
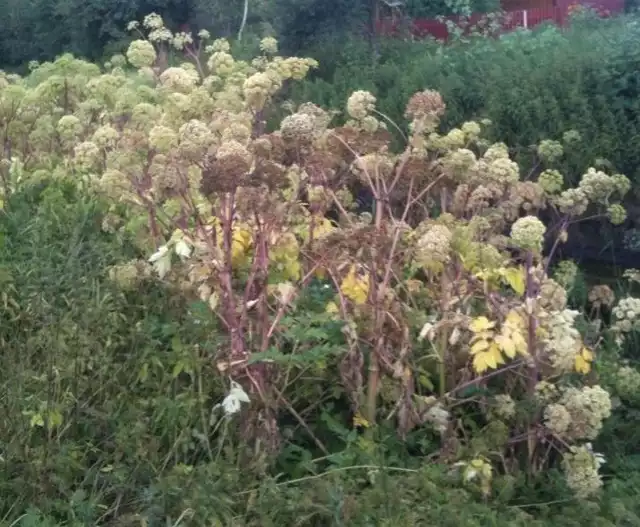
(201,328)
(114,373)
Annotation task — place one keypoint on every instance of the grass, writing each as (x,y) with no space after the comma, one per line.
(106,413)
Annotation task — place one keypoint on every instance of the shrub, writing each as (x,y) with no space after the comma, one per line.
(531,85)
(434,308)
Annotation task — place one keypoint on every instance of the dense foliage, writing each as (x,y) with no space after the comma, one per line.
(43,29)
(204,327)
(532,86)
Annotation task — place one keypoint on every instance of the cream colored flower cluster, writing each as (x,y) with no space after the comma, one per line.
(471,129)
(617,214)
(627,383)
(106,136)
(627,314)
(562,339)
(234,149)
(360,105)
(269,45)
(372,167)
(298,127)
(601,295)
(195,138)
(127,275)
(458,163)
(86,154)
(115,185)
(157,30)
(550,150)
(494,167)
(434,245)
(181,40)
(221,63)
(454,139)
(566,273)
(258,88)
(183,79)
(424,104)
(504,407)
(546,392)
(503,170)
(291,67)
(437,415)
(162,139)
(597,186)
(141,53)
(527,196)
(528,233)
(69,128)
(551,181)
(572,201)
(581,466)
(553,297)
(579,413)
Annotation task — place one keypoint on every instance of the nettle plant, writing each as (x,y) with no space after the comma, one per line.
(441,287)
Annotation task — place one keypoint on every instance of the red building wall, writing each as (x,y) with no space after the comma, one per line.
(556,11)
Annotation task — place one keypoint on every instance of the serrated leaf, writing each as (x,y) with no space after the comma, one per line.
(481,324)
(514,276)
(480,346)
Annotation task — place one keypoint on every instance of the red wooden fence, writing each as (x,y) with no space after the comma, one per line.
(508,21)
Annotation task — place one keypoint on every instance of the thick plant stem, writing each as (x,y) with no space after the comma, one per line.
(373,381)
(376,295)
(531,293)
(444,337)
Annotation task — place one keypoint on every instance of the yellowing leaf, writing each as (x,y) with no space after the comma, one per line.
(332,308)
(506,345)
(479,346)
(520,343)
(358,420)
(583,361)
(587,354)
(240,244)
(480,363)
(354,287)
(489,359)
(514,276)
(514,320)
(481,324)
(581,365)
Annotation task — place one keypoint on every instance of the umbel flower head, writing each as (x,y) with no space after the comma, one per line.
(528,233)
(298,126)
(550,150)
(626,314)
(627,383)
(566,273)
(269,45)
(551,181)
(433,246)
(425,103)
(141,53)
(581,467)
(360,104)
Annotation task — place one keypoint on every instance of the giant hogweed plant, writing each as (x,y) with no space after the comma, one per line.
(442,289)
